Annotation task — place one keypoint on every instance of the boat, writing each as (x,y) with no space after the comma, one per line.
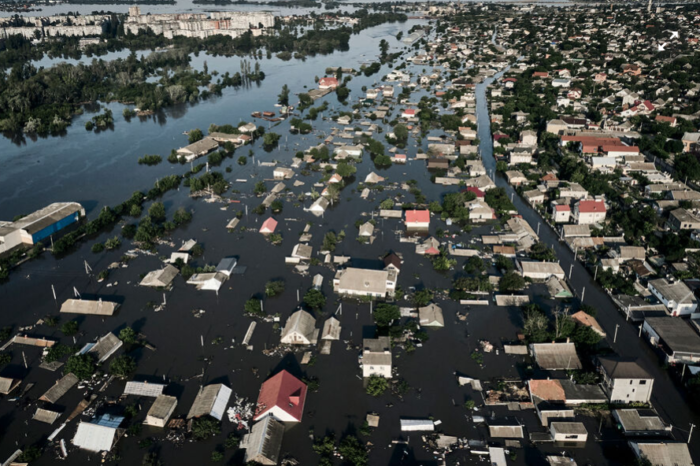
(256,114)
(268,114)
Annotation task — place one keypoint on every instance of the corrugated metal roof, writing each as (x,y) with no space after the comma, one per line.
(82,306)
(54,393)
(211,400)
(144,389)
(94,437)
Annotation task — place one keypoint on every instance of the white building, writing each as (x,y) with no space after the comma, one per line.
(677,297)
(300,329)
(161,411)
(376,357)
(624,381)
(365,282)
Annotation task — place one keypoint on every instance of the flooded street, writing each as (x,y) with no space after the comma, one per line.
(101,169)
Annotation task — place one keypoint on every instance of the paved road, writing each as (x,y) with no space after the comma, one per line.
(666,398)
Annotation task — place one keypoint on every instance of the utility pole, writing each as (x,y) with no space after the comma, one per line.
(595,275)
(692,426)
(617,326)
(571,269)
(583,294)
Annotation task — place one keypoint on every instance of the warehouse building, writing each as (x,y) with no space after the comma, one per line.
(39,225)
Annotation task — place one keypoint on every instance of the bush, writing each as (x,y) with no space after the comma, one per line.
(510,282)
(242,160)
(254,307)
(385,314)
(97,248)
(127,335)
(376,386)
(69,328)
(112,243)
(5,358)
(57,351)
(205,427)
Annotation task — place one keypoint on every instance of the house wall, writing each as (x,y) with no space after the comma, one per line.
(587,218)
(279,414)
(624,391)
(380,370)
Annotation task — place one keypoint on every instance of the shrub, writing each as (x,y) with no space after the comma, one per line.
(376,386)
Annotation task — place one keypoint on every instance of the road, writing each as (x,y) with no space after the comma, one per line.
(669,401)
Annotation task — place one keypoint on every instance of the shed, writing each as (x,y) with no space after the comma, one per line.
(268,226)
(506,428)
(568,432)
(558,288)
(497,456)
(90,307)
(366,229)
(226,265)
(60,388)
(640,422)
(210,281)
(211,400)
(161,411)
(373,178)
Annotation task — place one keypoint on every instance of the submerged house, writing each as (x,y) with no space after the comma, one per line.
(262,445)
(210,401)
(300,329)
(99,435)
(282,397)
(89,307)
(161,411)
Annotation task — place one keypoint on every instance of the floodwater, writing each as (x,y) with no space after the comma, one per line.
(101,169)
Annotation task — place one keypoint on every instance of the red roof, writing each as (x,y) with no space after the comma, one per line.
(268,225)
(410,111)
(432,251)
(540,74)
(589,207)
(562,208)
(620,149)
(477,191)
(283,391)
(417,216)
(665,119)
(328,82)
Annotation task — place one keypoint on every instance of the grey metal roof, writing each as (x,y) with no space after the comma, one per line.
(162,406)
(331,329)
(60,388)
(46,416)
(160,278)
(94,437)
(264,441)
(568,427)
(144,389)
(634,420)
(300,322)
(582,392)
(676,334)
(42,218)
(554,356)
(622,368)
(106,346)
(8,384)
(665,453)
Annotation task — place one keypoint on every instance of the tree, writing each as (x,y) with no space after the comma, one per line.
(422,297)
(122,366)
(5,358)
(276,206)
(401,132)
(80,365)
(260,188)
(195,135)
(442,263)
(384,314)
(345,169)
(381,161)
(474,265)
(376,386)
(511,282)
(253,307)
(274,288)
(181,216)
(687,165)
(535,326)
(127,335)
(504,263)
(69,328)
(314,299)
(541,252)
(205,427)
(387,204)
(330,240)
(283,97)
(157,211)
(501,166)
(383,48)
(353,451)
(270,140)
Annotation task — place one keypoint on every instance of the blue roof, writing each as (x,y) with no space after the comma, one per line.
(109,420)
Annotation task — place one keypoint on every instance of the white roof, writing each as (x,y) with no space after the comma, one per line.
(144,389)
(94,437)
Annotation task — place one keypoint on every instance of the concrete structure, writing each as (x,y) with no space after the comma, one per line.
(679,342)
(568,433)
(676,296)
(89,307)
(681,219)
(282,397)
(641,422)
(365,282)
(624,381)
(555,356)
(39,225)
(663,453)
(97,437)
(376,357)
(198,149)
